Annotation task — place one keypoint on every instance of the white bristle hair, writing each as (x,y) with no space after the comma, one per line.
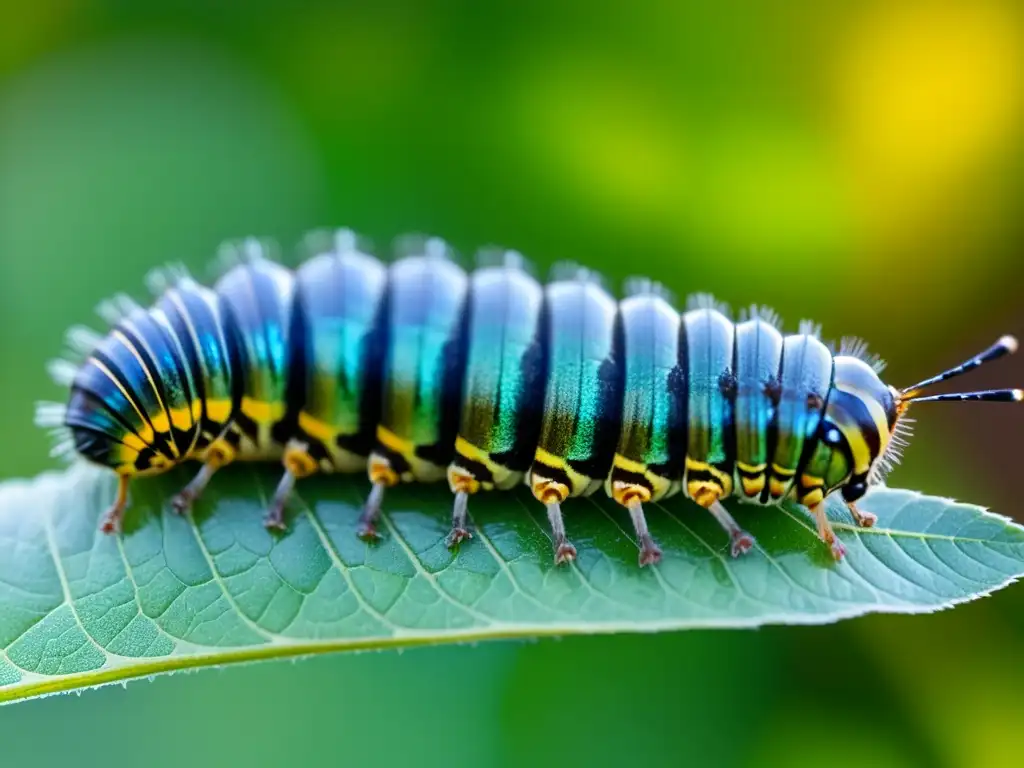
(496,256)
(126,304)
(246,250)
(762,313)
(81,340)
(571,271)
(705,301)
(162,279)
(116,308)
(432,247)
(108,312)
(254,249)
(50,415)
(902,432)
(337,241)
(645,286)
(63,444)
(810,328)
(62,371)
(851,346)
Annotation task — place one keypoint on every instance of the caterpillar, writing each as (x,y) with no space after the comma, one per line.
(421,370)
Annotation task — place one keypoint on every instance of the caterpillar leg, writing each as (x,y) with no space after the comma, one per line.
(741,541)
(463,484)
(863,519)
(565,552)
(631,496)
(650,552)
(551,494)
(218,455)
(187,496)
(459,531)
(111,522)
(298,463)
(825,532)
(382,476)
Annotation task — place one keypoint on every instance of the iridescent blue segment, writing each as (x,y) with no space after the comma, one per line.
(424,364)
(194,315)
(709,354)
(505,372)
(116,355)
(342,299)
(653,433)
(99,403)
(153,343)
(257,296)
(583,399)
(758,358)
(805,382)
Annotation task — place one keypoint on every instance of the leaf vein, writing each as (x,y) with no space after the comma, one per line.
(335,558)
(216,578)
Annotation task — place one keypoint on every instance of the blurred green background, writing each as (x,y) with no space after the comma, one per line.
(858,163)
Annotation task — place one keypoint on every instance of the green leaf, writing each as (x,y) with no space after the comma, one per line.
(78,608)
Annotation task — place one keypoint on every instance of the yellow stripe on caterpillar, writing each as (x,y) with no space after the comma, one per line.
(777,488)
(707,492)
(134,442)
(752,487)
(581,485)
(751,469)
(810,481)
(391,441)
(723,479)
(218,411)
(263,412)
(549,459)
(181,418)
(420,469)
(469,451)
(859,449)
(660,487)
(317,429)
(502,477)
(812,498)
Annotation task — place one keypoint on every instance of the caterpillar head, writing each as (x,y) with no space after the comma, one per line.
(860,427)
(866,420)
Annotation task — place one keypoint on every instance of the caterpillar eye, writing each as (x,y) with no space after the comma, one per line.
(854,491)
(833,438)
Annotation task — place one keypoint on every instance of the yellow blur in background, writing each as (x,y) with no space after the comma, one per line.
(856,163)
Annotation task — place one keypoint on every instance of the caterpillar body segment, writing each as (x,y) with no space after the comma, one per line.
(419,370)
(503,387)
(423,369)
(651,448)
(804,384)
(334,389)
(582,398)
(759,346)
